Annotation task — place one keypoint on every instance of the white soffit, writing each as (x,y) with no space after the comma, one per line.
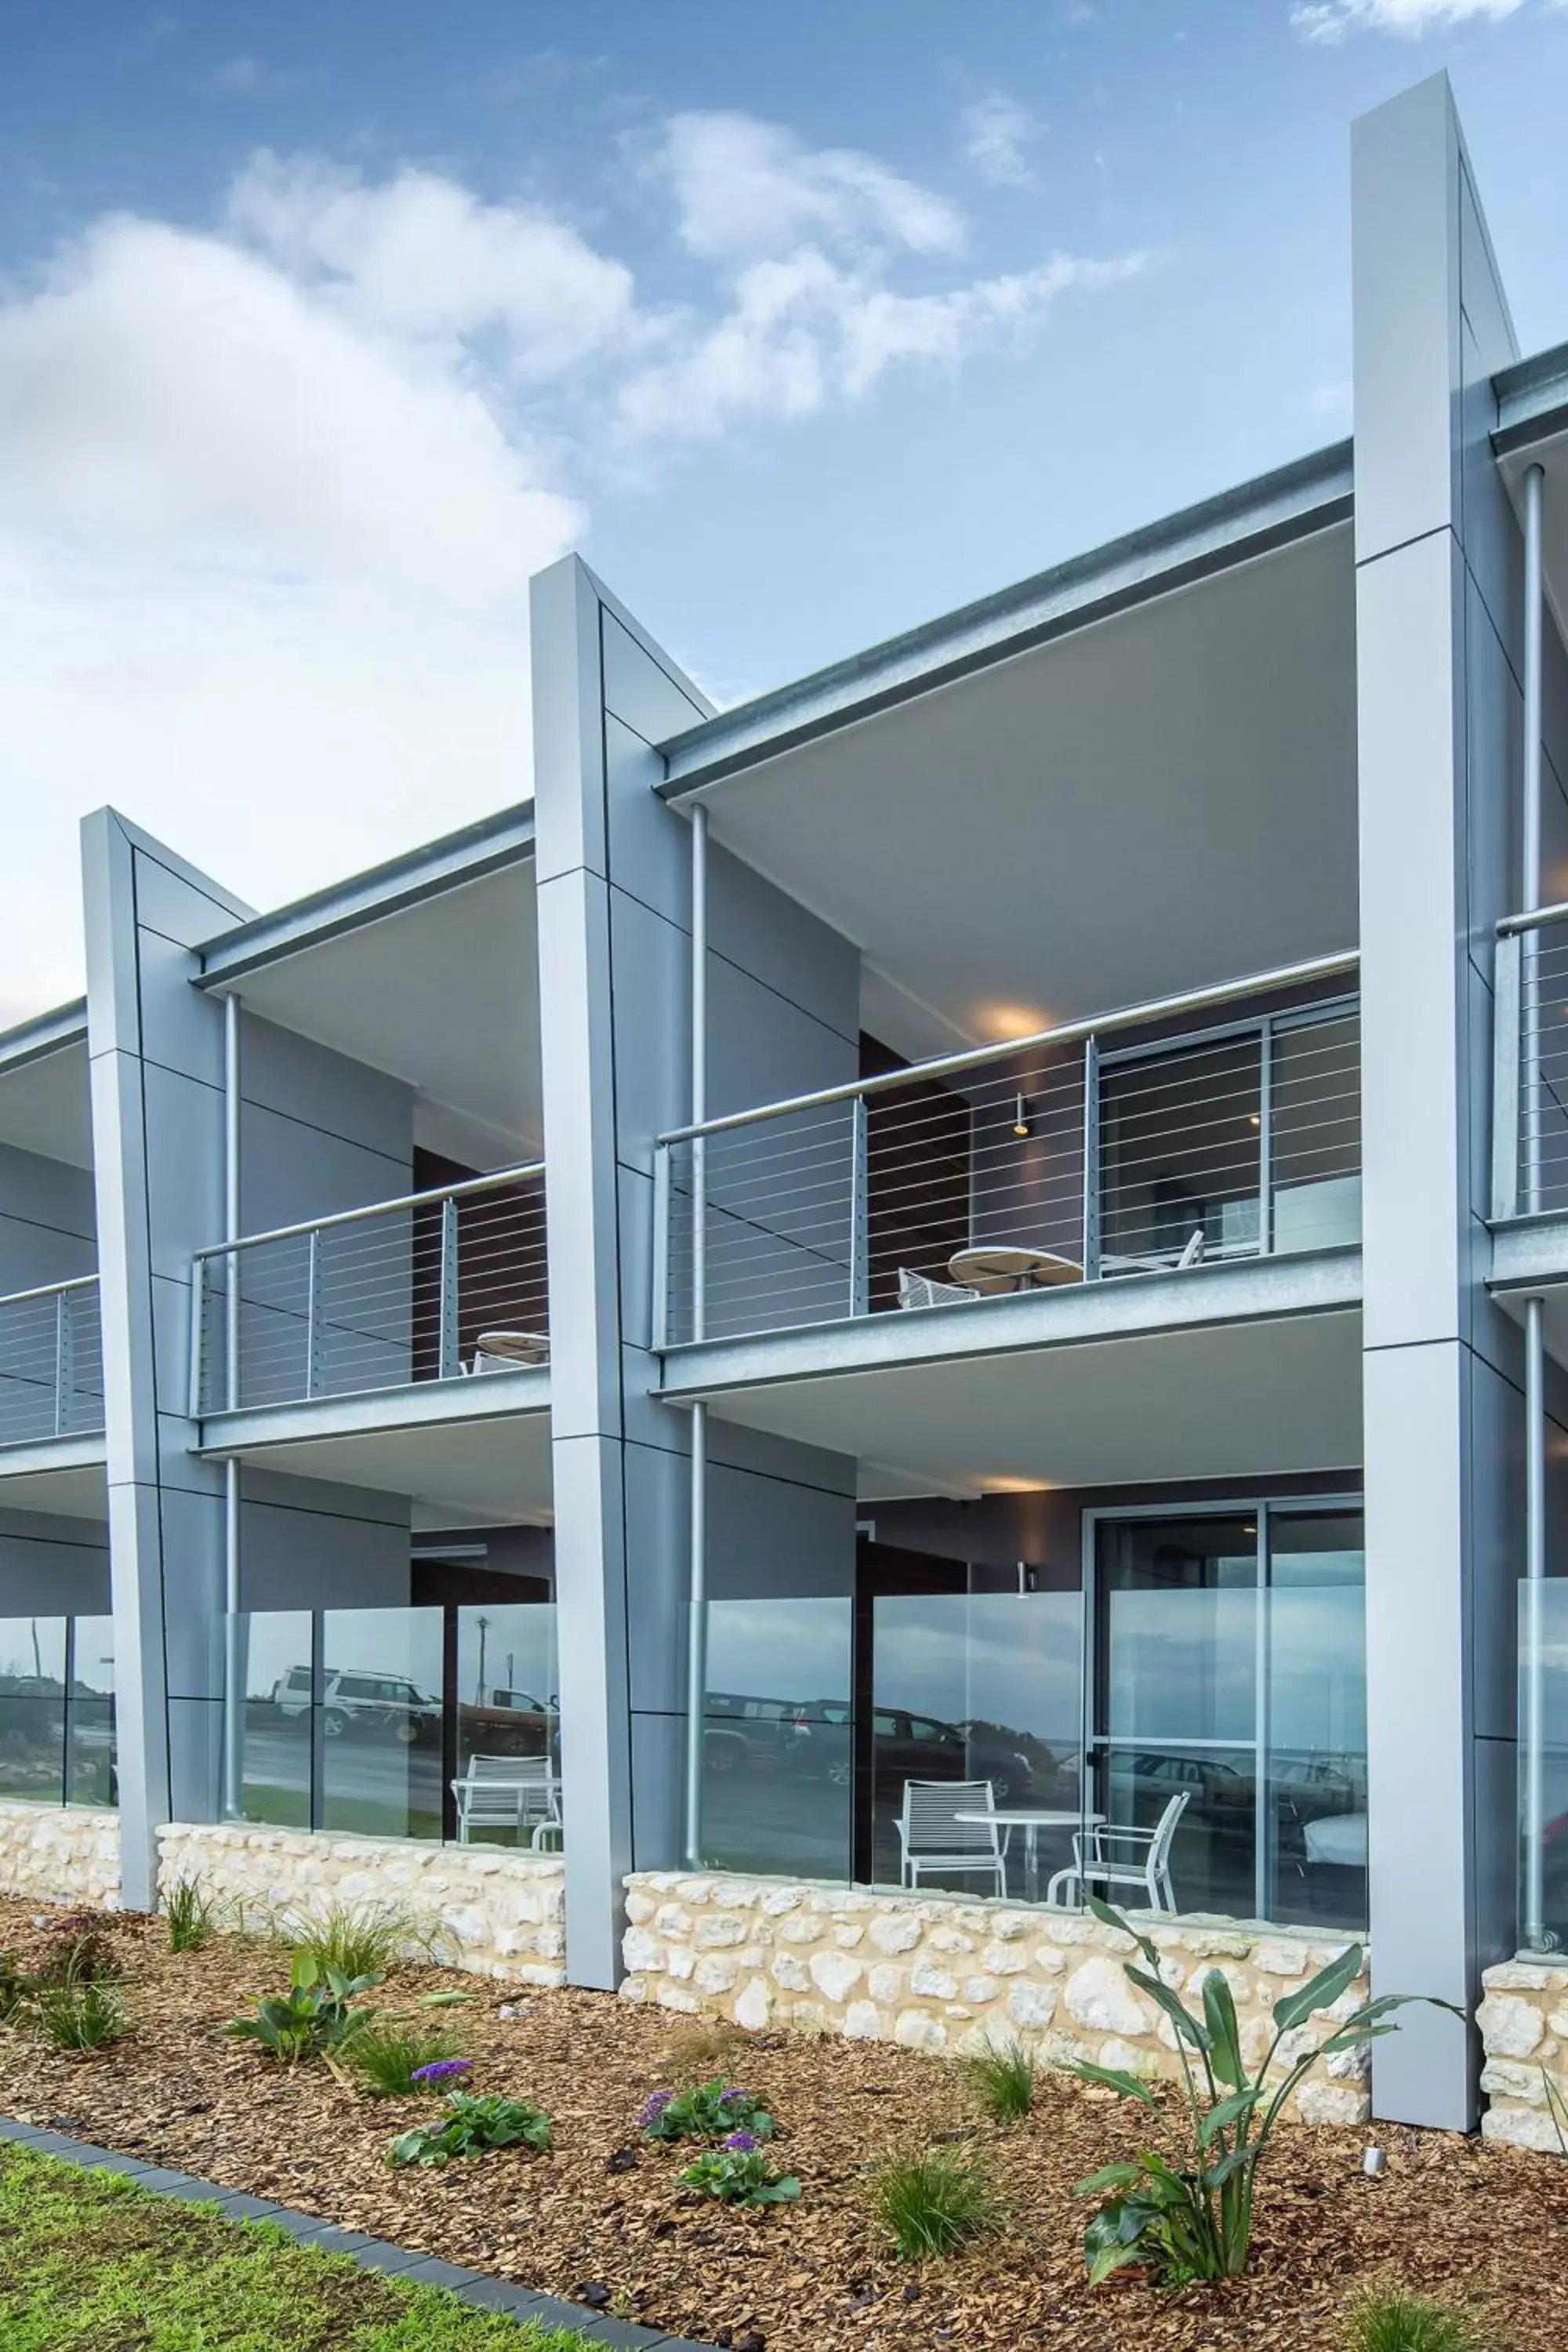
(444,995)
(491,1473)
(1249,1400)
(45,1107)
(1161,800)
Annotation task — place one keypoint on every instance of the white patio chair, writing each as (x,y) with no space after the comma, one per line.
(1190,1253)
(929,1838)
(919,1291)
(508,1792)
(1105,1854)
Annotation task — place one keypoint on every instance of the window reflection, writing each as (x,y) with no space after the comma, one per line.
(778,1755)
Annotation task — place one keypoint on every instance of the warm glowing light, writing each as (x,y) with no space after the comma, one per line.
(1023,1116)
(1016,1485)
(1005,1021)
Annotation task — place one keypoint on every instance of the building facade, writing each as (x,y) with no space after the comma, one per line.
(984,1235)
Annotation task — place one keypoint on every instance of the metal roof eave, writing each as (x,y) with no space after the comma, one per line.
(1532,401)
(44,1033)
(450,863)
(1297,501)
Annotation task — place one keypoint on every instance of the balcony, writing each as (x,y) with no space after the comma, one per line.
(1105,1150)
(51,1365)
(405,1345)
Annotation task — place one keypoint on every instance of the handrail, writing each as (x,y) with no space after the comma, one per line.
(49,1289)
(1067,1033)
(492,1182)
(1533,919)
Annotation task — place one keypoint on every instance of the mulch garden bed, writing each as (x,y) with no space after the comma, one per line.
(603,2209)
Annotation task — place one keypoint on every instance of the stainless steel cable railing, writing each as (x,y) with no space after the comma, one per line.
(1085,1153)
(51,1363)
(435,1285)
(1529,1126)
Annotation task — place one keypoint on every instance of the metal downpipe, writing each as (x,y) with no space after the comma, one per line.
(1536,1936)
(697,1627)
(233,1659)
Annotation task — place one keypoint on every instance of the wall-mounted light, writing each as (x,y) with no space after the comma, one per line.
(1023,1115)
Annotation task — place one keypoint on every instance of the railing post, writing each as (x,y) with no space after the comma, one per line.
(1091,1160)
(198,1336)
(1506,1054)
(859,1229)
(447,1359)
(1265,1140)
(314,1319)
(658,1337)
(64,1376)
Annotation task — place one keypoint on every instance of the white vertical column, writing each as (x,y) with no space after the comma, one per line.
(1430,327)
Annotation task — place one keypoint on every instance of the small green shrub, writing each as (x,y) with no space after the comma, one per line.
(361,1939)
(311,2018)
(80,2014)
(190,1916)
(711,2111)
(15,1987)
(386,2056)
(76,1950)
(1381,2322)
(1003,2082)
(469,2127)
(739,2173)
(932,2203)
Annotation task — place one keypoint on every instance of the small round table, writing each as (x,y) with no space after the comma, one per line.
(1032,1820)
(1012,1267)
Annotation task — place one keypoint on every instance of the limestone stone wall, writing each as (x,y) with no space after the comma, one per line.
(498,1913)
(1524,2022)
(940,1973)
(60,1854)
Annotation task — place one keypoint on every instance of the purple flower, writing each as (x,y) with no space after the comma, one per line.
(741,2143)
(733,2099)
(654,2107)
(440,2069)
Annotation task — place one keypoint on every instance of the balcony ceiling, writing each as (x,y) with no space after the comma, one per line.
(1156,801)
(491,1473)
(443,994)
(1223,1400)
(44,1107)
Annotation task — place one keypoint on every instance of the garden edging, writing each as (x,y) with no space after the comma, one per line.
(478,2287)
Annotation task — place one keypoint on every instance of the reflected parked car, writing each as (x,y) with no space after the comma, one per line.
(923,1748)
(768,1732)
(389,1705)
(509,1723)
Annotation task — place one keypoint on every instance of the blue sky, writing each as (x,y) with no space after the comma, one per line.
(322,326)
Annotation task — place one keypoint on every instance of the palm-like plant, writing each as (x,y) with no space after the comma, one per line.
(1191,2218)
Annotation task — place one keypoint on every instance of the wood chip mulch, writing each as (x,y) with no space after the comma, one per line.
(1479,2225)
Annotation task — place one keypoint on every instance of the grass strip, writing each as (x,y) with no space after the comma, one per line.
(90,2262)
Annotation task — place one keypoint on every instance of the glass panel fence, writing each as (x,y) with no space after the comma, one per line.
(979,1688)
(57,1710)
(778,1754)
(1543,1811)
(381,1721)
(414,1723)
(1316,1720)
(508,1787)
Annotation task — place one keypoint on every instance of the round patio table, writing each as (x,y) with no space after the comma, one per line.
(1012,1267)
(1032,1820)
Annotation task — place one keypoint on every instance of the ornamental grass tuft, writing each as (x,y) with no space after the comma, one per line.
(933,2202)
(80,2014)
(1384,2322)
(1003,2079)
(190,1916)
(397,2061)
(361,1939)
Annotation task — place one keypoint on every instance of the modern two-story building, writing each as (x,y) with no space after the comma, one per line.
(887,1302)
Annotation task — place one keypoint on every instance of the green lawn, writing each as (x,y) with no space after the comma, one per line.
(88,2263)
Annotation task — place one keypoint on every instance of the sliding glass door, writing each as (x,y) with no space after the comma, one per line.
(1229,1674)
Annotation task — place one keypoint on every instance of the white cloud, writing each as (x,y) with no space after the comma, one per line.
(997,134)
(803,330)
(745,188)
(270,495)
(1331,21)
(423,257)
